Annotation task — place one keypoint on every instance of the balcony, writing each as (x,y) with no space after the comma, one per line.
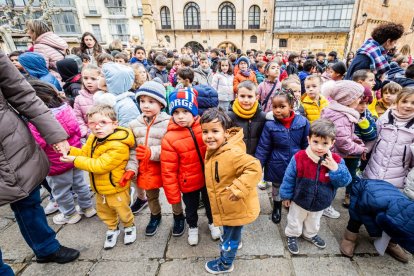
(92,12)
(116,11)
(205,25)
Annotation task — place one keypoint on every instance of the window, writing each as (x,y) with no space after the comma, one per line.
(65,22)
(116,7)
(254,17)
(167,38)
(92,7)
(119,29)
(165,18)
(64,3)
(96,30)
(282,43)
(308,17)
(227,16)
(192,16)
(385,3)
(253,39)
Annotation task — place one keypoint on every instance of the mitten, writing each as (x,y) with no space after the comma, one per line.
(128,175)
(143,152)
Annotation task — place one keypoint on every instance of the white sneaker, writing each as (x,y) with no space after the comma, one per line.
(62,219)
(111,238)
(132,194)
(215,232)
(193,236)
(130,235)
(240,245)
(89,212)
(262,185)
(51,207)
(330,212)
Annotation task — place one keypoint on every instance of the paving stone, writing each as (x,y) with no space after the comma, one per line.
(178,247)
(18,267)
(144,247)
(261,237)
(136,267)
(88,236)
(13,246)
(4,223)
(263,267)
(6,212)
(384,265)
(307,248)
(165,206)
(323,266)
(265,206)
(70,269)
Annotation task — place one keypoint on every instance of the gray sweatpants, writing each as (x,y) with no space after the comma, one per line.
(62,186)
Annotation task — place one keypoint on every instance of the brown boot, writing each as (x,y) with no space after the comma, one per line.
(397,252)
(348,243)
(347,201)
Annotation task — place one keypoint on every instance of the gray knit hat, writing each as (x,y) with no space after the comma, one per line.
(346,92)
(154,90)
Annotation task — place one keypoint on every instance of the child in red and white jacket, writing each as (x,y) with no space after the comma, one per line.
(182,161)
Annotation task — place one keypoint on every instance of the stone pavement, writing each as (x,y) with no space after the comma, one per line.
(264,249)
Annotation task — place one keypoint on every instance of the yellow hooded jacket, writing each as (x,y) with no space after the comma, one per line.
(229,169)
(312,108)
(105,160)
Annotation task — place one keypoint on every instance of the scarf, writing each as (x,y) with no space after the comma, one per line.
(287,122)
(245,73)
(205,71)
(242,113)
(377,54)
(350,113)
(399,117)
(312,156)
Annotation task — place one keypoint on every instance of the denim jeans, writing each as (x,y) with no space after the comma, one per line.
(33,225)
(5,270)
(231,239)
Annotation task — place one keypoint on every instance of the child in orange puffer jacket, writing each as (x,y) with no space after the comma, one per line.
(182,161)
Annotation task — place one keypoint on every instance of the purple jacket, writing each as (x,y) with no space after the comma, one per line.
(391,157)
(66,117)
(263,91)
(83,102)
(172,76)
(347,144)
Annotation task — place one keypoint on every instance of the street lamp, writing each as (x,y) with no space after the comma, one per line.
(264,17)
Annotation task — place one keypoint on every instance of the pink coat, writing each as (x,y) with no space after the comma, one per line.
(83,102)
(52,47)
(171,75)
(263,91)
(347,144)
(66,117)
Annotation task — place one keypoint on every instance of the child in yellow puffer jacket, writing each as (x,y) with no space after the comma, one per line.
(313,102)
(105,156)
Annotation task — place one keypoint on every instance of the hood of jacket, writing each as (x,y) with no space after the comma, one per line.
(67,68)
(234,140)
(34,64)
(119,78)
(52,40)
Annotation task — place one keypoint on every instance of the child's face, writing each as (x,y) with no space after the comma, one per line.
(406,106)
(177,64)
(320,145)
(361,107)
(259,57)
(149,106)
(388,98)
(224,66)
(369,81)
(213,134)
(246,98)
(321,59)
(104,61)
(269,57)
(274,70)
(295,87)
(160,67)
(313,87)
(280,107)
(242,65)
(102,83)
(184,82)
(183,117)
(15,61)
(101,126)
(90,79)
(204,64)
(355,104)
(140,55)
(336,76)
(261,69)
(85,62)
(141,75)
(120,60)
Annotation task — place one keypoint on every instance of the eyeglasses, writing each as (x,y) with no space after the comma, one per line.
(100,123)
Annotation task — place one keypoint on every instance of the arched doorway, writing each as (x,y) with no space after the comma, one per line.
(195,46)
(228,46)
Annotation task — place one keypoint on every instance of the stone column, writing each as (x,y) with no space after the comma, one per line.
(148,25)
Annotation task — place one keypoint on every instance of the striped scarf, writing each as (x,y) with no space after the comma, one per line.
(377,54)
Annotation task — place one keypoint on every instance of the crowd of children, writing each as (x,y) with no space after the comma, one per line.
(212,130)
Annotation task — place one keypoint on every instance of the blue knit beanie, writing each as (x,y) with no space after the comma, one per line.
(154,90)
(184,98)
(245,59)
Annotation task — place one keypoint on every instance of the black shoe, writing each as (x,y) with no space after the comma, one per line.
(153,224)
(179,225)
(61,256)
(292,243)
(138,205)
(277,211)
